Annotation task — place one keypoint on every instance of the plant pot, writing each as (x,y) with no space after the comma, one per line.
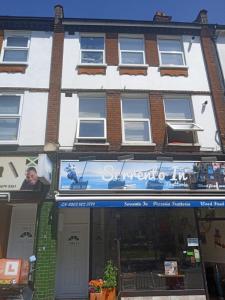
(95,296)
(108,294)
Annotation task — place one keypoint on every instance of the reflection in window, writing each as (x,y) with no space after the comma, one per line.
(149,239)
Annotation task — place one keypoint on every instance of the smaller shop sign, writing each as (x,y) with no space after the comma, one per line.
(140,204)
(13,271)
(24,173)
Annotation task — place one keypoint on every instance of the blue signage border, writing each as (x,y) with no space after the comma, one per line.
(141,204)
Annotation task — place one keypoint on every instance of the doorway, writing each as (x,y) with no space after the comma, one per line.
(212,237)
(73,255)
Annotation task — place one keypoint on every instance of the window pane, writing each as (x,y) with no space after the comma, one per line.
(92,43)
(172,59)
(92,108)
(180,136)
(178,109)
(89,57)
(93,128)
(9,104)
(131,44)
(170,45)
(136,131)
(135,108)
(17,41)
(132,58)
(8,129)
(15,55)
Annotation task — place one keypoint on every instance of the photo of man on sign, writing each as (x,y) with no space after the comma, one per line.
(31,182)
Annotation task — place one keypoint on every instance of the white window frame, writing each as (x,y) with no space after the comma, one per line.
(141,37)
(92,35)
(13,116)
(5,47)
(172,122)
(169,38)
(124,120)
(94,96)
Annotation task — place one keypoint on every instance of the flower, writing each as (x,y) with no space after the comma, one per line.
(95,285)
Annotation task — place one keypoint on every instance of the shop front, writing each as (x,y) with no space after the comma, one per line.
(24,181)
(148,218)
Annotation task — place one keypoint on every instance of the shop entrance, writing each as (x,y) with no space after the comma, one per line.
(212,236)
(73,255)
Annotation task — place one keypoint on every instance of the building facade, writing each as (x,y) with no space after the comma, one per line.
(130,118)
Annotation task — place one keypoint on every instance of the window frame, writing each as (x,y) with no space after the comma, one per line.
(5,47)
(181,121)
(124,120)
(93,96)
(92,35)
(172,38)
(133,36)
(13,116)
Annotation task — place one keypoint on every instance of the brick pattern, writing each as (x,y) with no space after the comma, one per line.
(12,68)
(174,72)
(158,120)
(52,128)
(44,281)
(111,49)
(114,131)
(91,70)
(1,39)
(214,80)
(151,50)
(133,71)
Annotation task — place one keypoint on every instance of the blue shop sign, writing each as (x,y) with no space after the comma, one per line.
(141,204)
(141,175)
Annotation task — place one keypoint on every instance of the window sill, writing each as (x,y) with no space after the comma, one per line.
(15,143)
(91,69)
(184,144)
(92,144)
(133,69)
(138,144)
(144,66)
(173,70)
(13,67)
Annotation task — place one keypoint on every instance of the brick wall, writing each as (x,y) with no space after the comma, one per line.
(52,128)
(214,79)
(46,243)
(157,120)
(111,49)
(1,39)
(151,50)
(114,120)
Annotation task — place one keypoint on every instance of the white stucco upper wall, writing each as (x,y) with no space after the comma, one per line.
(33,119)
(220,43)
(39,62)
(196,80)
(203,116)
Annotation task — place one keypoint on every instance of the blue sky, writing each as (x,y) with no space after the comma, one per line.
(180,10)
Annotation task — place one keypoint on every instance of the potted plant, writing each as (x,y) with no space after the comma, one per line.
(109,282)
(95,289)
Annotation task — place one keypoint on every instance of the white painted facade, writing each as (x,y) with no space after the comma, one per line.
(33,104)
(38,65)
(196,80)
(220,43)
(207,138)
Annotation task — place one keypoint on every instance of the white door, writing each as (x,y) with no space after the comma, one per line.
(22,231)
(73,263)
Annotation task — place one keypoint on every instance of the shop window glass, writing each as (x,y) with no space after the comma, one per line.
(158,248)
